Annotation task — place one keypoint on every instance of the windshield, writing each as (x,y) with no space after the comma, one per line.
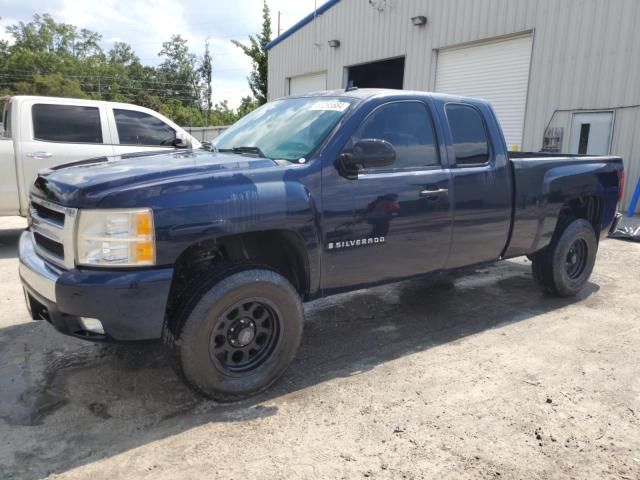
(287,129)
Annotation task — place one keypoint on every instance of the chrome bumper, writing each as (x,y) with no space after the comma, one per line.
(35,273)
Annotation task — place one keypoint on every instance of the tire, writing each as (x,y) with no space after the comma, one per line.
(564,267)
(240,332)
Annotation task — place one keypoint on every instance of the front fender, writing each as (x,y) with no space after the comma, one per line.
(238,209)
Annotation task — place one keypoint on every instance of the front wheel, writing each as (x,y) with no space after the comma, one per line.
(240,334)
(564,267)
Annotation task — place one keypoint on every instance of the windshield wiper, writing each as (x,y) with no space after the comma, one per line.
(241,150)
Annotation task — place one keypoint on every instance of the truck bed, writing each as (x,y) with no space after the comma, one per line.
(528,155)
(543,183)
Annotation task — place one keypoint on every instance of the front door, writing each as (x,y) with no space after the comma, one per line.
(391,222)
(140,132)
(591,133)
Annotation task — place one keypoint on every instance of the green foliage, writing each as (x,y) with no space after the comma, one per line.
(247,105)
(206,71)
(223,115)
(257,52)
(44,57)
(55,85)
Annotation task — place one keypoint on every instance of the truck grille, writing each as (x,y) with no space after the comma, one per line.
(53,227)
(51,246)
(47,213)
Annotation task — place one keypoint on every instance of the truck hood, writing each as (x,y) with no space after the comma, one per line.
(83,183)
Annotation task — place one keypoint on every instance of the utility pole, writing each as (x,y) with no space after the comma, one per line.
(278,22)
(315,24)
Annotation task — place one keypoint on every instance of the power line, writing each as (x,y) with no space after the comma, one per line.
(7,78)
(28,71)
(29,74)
(229,37)
(135,88)
(140,83)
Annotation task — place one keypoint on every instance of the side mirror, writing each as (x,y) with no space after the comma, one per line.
(367,153)
(182,141)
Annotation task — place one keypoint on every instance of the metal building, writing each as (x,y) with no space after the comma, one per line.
(563,75)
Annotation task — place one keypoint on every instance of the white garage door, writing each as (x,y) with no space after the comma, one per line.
(308,83)
(497,72)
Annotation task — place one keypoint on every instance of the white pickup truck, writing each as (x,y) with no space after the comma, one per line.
(42,132)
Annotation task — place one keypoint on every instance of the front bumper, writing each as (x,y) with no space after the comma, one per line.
(130,304)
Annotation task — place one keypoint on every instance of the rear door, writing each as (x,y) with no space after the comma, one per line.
(56,133)
(482,184)
(391,222)
(9,200)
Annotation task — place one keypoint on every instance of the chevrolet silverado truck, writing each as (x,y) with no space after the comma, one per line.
(215,251)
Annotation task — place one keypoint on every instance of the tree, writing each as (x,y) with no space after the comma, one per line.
(223,115)
(55,85)
(206,74)
(44,57)
(257,52)
(182,77)
(46,36)
(87,44)
(121,53)
(247,105)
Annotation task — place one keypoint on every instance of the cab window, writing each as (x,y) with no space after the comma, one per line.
(408,127)
(66,123)
(139,128)
(470,142)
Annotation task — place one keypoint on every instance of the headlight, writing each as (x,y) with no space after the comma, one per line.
(123,238)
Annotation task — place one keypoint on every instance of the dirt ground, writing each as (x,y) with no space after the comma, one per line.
(485,378)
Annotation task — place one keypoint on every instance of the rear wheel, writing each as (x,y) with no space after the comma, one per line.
(564,267)
(240,333)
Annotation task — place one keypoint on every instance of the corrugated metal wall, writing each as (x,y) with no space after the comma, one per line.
(586,54)
(495,71)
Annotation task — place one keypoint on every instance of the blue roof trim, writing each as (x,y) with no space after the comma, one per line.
(309,18)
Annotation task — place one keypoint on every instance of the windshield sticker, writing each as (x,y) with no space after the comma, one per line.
(331,105)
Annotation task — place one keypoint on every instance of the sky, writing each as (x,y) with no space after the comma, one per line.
(145,24)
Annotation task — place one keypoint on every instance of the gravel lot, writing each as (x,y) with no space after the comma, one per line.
(485,378)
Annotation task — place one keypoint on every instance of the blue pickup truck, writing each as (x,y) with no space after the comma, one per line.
(214,251)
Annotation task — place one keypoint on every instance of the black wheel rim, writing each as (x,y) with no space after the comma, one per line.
(576,259)
(244,336)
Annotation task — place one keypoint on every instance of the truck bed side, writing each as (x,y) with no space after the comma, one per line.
(548,186)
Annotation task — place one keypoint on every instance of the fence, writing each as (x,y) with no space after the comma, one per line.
(205,134)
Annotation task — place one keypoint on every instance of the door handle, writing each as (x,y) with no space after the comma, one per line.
(40,154)
(432,194)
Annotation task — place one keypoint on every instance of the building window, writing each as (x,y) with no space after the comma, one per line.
(584,138)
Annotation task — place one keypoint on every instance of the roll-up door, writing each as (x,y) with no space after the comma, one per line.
(496,71)
(307,83)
